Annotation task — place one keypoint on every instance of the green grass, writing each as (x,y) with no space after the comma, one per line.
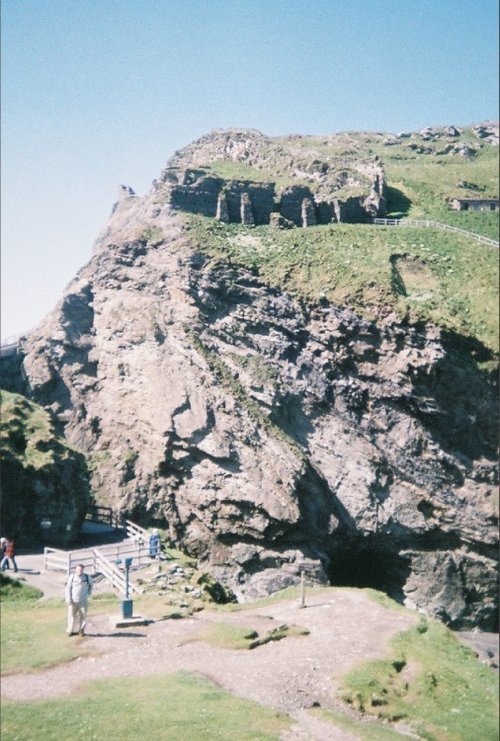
(13,590)
(33,635)
(225,635)
(359,729)
(27,431)
(175,707)
(33,632)
(382,599)
(431,681)
(421,274)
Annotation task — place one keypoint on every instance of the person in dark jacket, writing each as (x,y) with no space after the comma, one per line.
(154,544)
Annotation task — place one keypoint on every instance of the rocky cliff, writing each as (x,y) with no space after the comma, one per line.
(268,435)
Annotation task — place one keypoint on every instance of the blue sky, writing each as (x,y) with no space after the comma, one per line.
(101,92)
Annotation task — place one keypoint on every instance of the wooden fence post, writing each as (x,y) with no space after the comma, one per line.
(302,588)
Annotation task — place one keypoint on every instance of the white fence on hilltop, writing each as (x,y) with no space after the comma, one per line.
(434,225)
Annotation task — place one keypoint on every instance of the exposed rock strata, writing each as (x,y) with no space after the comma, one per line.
(269,437)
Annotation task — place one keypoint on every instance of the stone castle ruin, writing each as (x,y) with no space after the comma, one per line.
(254,203)
(304,192)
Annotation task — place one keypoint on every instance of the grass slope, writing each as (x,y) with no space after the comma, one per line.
(433,682)
(32,632)
(421,274)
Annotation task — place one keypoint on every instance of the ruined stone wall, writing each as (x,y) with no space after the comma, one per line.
(248,202)
(261,198)
(351,211)
(290,205)
(199,197)
(203,194)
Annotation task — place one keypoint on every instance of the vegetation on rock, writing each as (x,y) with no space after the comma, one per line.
(44,479)
(418,273)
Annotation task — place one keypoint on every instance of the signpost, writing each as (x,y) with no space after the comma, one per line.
(127,604)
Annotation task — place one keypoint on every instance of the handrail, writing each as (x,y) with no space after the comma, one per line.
(59,560)
(109,570)
(100,513)
(112,573)
(136,531)
(434,225)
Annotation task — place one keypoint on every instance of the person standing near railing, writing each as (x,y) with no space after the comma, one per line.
(78,591)
(154,544)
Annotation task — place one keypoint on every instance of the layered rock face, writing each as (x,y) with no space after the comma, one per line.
(269,437)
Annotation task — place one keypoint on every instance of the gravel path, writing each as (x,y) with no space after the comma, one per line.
(290,675)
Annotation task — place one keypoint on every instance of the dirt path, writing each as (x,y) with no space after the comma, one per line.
(290,675)
(345,627)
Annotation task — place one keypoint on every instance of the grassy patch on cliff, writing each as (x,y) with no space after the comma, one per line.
(423,174)
(431,681)
(421,274)
(27,431)
(41,474)
(175,707)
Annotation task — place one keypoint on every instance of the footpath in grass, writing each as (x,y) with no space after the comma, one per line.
(175,707)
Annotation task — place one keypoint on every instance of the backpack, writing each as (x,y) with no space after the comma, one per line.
(86,577)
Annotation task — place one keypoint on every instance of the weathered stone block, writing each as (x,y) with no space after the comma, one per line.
(246,213)
(277,221)
(222,214)
(308,212)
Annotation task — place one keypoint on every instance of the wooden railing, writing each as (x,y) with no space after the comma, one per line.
(59,560)
(103,559)
(140,534)
(99,513)
(56,560)
(434,225)
(112,573)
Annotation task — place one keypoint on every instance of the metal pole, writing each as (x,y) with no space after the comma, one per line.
(302,588)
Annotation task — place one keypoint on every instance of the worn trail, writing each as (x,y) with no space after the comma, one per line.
(290,675)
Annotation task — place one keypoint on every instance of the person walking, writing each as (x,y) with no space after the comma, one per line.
(8,554)
(78,591)
(3,544)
